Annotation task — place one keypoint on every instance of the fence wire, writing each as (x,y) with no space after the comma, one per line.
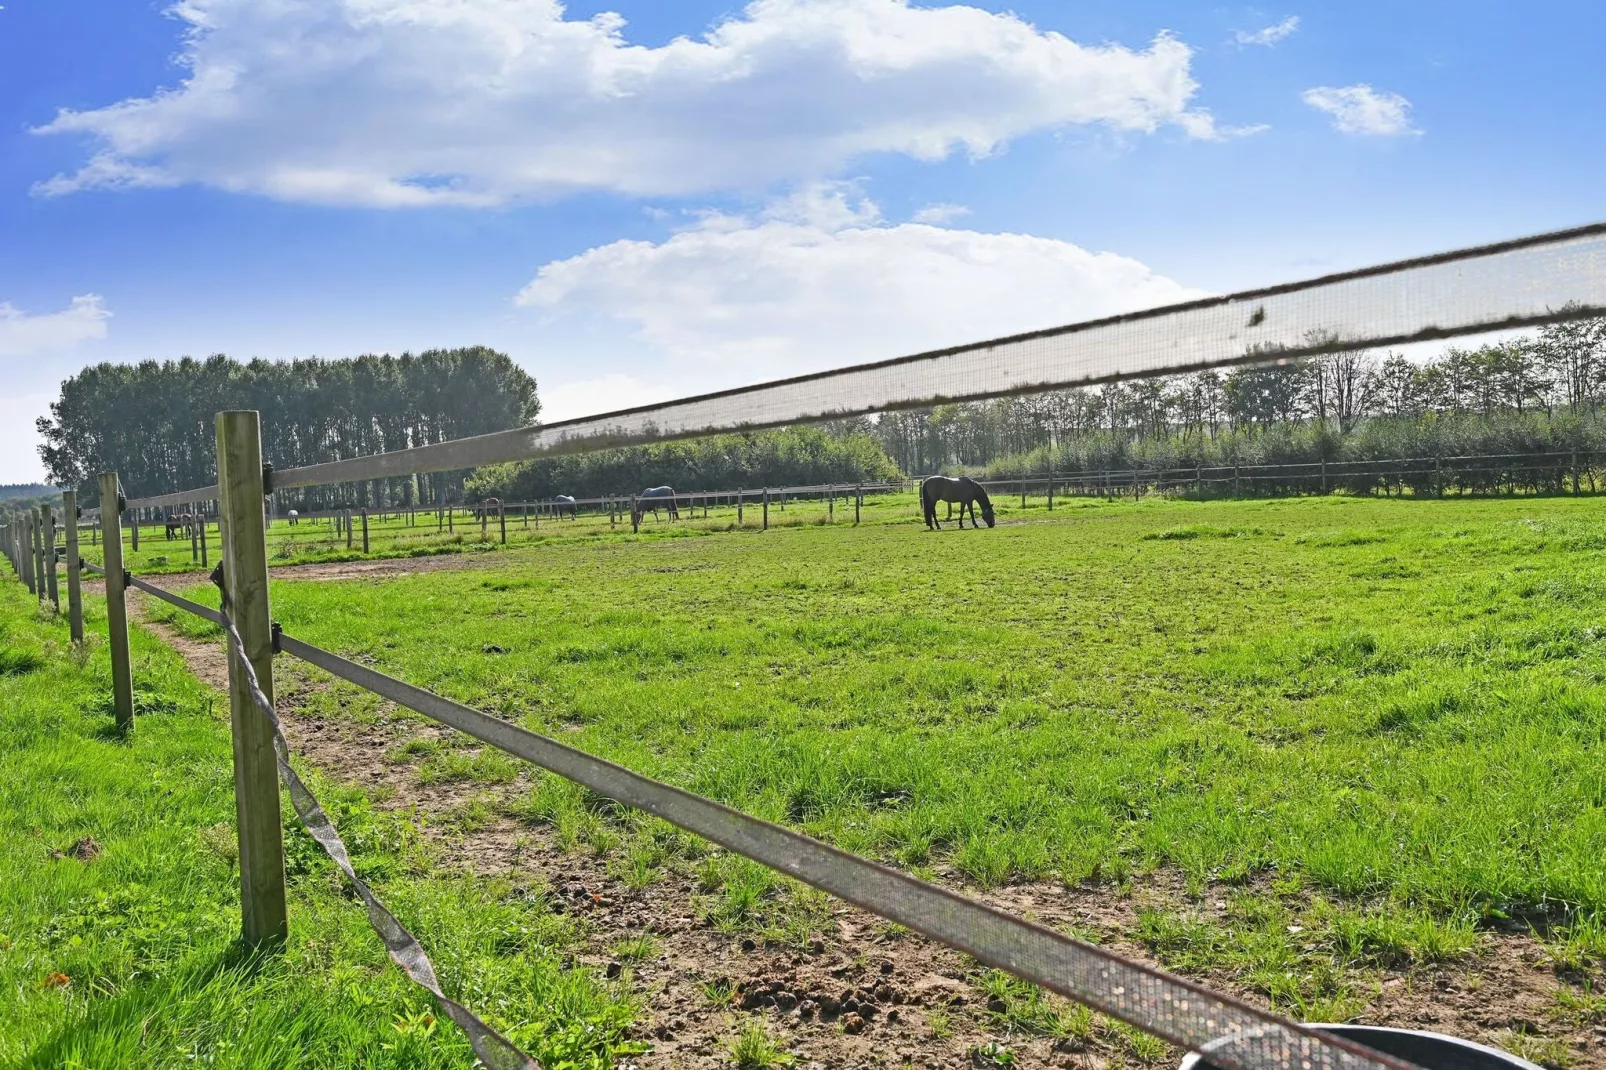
(493,1049)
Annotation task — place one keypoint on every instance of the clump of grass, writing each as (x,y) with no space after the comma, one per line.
(755,1049)
(15,661)
(636,949)
(1202,531)
(489,766)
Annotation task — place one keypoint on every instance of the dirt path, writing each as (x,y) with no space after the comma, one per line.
(860,993)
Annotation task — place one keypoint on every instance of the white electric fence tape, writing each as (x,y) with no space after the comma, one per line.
(1547,278)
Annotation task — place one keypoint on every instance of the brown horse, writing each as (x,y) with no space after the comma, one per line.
(964,490)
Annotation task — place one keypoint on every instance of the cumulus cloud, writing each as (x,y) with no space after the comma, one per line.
(50,333)
(395,103)
(1360,109)
(822,282)
(1267,36)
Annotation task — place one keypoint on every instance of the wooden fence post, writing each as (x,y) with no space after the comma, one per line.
(256,777)
(766,509)
(30,574)
(858,503)
(1237,485)
(201,524)
(47,526)
(1051,491)
(501,520)
(75,598)
(740,497)
(635,515)
(41,584)
(1575,472)
(830,509)
(135,533)
(346,519)
(111,522)
(365,532)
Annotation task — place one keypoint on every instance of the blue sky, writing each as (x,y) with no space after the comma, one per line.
(692,195)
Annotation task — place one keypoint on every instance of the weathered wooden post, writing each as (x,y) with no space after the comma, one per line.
(256,778)
(350,538)
(47,526)
(1051,490)
(740,496)
(75,598)
(858,503)
(111,522)
(41,584)
(1237,484)
(194,532)
(200,524)
(30,574)
(501,519)
(1324,475)
(135,533)
(635,515)
(766,509)
(830,509)
(365,532)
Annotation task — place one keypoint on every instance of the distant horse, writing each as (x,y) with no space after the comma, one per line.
(651,497)
(964,490)
(178,525)
(565,503)
(294,516)
(487,507)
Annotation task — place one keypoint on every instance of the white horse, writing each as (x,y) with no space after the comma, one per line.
(293,517)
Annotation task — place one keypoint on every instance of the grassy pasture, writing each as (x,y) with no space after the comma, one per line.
(1397,703)
(1362,729)
(391,535)
(123,953)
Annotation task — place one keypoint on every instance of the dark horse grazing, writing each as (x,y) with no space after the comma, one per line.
(564,503)
(964,490)
(650,499)
(178,524)
(488,507)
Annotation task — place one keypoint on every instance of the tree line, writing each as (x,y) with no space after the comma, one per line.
(1535,394)
(152,422)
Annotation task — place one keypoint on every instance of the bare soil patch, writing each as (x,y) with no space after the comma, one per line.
(863,993)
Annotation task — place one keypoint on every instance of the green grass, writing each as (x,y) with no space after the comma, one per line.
(1390,701)
(130,959)
(390,535)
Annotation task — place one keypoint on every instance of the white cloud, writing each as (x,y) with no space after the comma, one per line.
(19,442)
(413,102)
(1360,109)
(608,393)
(739,299)
(1269,35)
(938,214)
(22,335)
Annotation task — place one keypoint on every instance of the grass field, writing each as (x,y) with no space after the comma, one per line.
(393,535)
(1395,704)
(122,954)
(1377,724)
